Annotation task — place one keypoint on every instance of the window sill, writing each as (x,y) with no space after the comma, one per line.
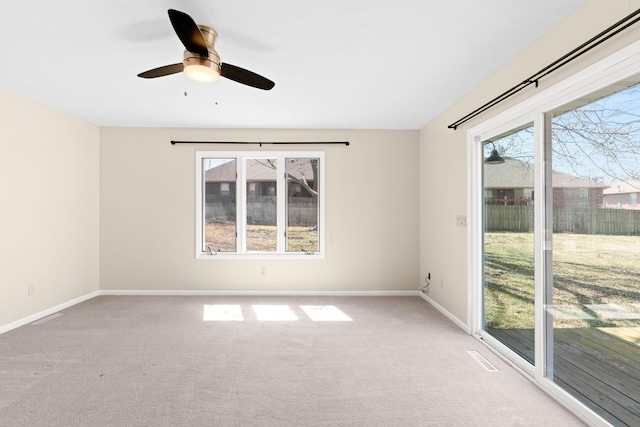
(229,256)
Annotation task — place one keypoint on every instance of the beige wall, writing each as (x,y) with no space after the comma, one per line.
(142,199)
(147,211)
(49,208)
(443,168)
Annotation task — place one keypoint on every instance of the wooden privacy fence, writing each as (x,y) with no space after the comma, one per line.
(261,210)
(565,220)
(596,221)
(509,218)
(302,211)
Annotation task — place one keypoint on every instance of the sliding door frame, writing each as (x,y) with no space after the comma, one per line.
(616,67)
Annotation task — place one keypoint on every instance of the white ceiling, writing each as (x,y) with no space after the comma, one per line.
(352,64)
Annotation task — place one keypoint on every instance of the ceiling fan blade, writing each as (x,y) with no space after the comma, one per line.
(245,77)
(162,71)
(188,32)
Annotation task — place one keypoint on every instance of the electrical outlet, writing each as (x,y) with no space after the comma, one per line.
(461,220)
(263,271)
(31,289)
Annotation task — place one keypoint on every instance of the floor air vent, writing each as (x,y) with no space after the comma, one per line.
(482,361)
(46,319)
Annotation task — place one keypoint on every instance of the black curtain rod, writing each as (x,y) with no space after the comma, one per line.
(560,62)
(261,143)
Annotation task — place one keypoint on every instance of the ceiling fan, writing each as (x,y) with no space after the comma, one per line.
(200,61)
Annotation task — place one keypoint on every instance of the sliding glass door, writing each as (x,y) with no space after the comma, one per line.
(508,244)
(595,286)
(558,239)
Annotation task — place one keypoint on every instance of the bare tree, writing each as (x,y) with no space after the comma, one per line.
(599,140)
(307,182)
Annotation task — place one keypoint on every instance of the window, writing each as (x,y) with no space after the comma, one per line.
(633,199)
(583,196)
(259,204)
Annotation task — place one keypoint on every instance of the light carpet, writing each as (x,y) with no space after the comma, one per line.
(172,361)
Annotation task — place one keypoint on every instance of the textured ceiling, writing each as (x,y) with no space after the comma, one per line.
(361,64)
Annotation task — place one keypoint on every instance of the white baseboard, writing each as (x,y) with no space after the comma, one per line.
(52,310)
(44,313)
(256,293)
(442,310)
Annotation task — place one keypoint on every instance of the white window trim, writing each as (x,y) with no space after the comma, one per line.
(241,198)
(615,67)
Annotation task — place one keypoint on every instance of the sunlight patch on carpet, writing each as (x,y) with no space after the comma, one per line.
(234,313)
(222,313)
(274,313)
(325,313)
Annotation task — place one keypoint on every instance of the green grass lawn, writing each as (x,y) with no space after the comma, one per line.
(587,269)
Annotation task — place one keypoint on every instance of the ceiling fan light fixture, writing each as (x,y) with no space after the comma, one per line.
(201,69)
(201,73)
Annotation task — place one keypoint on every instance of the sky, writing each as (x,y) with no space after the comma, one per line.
(600,140)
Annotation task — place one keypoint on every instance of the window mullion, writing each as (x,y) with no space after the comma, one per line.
(281,191)
(200,207)
(241,208)
(541,181)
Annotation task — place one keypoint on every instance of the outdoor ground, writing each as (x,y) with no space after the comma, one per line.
(587,269)
(222,235)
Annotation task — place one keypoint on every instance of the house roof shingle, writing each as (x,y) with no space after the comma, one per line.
(620,187)
(257,171)
(514,173)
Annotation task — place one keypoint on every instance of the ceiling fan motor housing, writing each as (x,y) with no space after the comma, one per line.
(194,61)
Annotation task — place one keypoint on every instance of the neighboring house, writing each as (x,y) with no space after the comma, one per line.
(511,183)
(221,180)
(623,195)
(261,179)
